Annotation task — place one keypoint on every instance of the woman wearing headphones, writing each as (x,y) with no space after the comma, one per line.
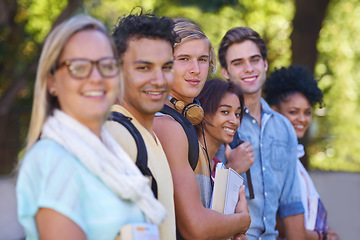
(194,59)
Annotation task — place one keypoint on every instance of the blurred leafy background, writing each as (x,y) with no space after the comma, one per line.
(323,35)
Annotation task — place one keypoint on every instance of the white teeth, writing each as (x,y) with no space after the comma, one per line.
(299,126)
(249,79)
(154,93)
(229,130)
(94,94)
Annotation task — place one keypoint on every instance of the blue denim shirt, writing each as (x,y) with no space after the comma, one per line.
(273,174)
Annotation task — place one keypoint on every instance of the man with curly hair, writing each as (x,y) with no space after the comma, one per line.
(242,56)
(145,46)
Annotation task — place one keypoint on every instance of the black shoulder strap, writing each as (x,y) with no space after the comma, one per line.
(190,133)
(142,158)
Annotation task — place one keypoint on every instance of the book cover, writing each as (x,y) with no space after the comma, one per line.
(226,190)
(320,223)
(139,231)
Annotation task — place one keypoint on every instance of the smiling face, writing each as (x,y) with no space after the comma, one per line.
(221,127)
(191,67)
(148,76)
(246,67)
(88,99)
(298,110)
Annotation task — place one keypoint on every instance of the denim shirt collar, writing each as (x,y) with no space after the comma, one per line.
(265,108)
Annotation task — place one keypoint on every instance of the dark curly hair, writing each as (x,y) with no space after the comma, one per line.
(284,82)
(213,92)
(142,25)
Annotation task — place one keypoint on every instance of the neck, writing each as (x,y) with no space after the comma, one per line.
(95,128)
(253,103)
(146,120)
(179,97)
(211,145)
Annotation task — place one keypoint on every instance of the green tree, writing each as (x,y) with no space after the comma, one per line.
(23,27)
(322,35)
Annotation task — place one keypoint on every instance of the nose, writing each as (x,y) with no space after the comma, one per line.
(158,78)
(301,117)
(248,67)
(234,120)
(195,68)
(95,74)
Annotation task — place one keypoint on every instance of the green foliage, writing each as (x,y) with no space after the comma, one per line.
(337,66)
(336,130)
(40,16)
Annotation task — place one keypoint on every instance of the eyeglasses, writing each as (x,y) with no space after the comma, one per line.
(81,68)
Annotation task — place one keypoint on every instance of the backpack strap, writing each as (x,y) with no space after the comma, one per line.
(189,129)
(142,157)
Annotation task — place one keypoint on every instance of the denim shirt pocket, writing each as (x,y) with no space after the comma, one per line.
(279,155)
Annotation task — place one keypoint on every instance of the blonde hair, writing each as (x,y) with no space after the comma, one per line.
(187,30)
(44,103)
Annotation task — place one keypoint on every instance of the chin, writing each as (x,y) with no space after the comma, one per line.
(300,135)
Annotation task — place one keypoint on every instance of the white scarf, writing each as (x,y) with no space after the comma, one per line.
(106,159)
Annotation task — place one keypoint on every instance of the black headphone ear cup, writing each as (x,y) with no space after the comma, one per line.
(194,113)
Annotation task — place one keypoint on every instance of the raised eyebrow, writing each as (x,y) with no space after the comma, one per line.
(236,60)
(225,105)
(205,56)
(251,57)
(143,62)
(256,56)
(182,55)
(169,62)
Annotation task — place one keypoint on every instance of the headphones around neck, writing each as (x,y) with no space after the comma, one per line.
(192,111)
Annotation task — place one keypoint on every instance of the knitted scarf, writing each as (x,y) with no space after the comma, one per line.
(106,159)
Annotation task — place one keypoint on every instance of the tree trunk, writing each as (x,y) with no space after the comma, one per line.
(307,24)
(10,120)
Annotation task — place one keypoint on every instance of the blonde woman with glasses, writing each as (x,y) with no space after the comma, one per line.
(75,181)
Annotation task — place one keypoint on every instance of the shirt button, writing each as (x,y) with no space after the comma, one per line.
(259,238)
(265,194)
(264,218)
(260,144)
(247,110)
(263,169)
(253,121)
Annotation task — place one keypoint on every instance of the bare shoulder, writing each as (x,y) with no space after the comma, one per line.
(173,139)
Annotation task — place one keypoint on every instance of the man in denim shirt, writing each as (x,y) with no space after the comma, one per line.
(242,56)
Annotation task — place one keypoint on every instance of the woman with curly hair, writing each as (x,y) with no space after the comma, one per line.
(294,92)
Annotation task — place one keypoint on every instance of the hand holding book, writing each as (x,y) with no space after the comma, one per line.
(226,190)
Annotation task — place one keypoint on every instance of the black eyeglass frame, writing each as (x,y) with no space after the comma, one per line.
(68,63)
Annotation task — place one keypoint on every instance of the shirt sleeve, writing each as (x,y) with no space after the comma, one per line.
(48,179)
(290,199)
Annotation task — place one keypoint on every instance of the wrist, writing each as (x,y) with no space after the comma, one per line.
(319,234)
(324,236)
